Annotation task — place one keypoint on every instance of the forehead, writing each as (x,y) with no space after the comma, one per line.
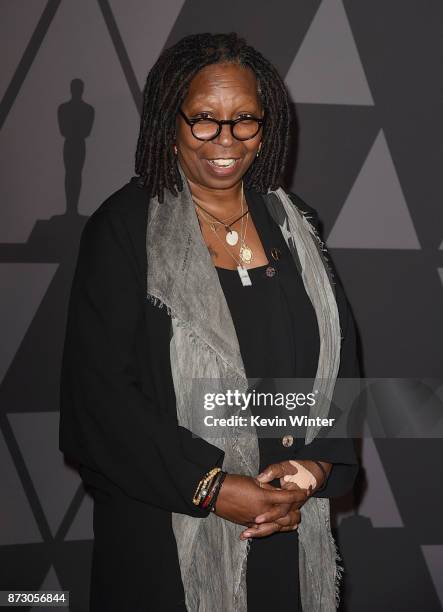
(227,81)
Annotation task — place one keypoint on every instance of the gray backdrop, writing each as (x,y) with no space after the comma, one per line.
(364,77)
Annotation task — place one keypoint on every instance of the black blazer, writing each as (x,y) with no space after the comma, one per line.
(117,403)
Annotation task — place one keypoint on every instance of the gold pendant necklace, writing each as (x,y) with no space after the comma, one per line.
(246,254)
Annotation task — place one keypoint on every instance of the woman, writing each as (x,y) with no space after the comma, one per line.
(202,267)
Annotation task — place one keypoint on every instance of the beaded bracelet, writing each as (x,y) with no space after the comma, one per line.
(210,501)
(204,485)
(211,490)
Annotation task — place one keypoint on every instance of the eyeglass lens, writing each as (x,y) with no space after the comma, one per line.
(243,130)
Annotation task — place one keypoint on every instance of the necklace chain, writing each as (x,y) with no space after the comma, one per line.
(227,226)
(242,236)
(245,252)
(220,221)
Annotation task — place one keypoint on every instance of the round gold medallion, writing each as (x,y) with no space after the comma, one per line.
(246,254)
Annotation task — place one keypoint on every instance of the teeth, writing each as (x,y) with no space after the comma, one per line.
(222,163)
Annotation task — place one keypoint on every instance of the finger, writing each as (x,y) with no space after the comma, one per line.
(263,530)
(275,470)
(290,528)
(273,514)
(288,486)
(285,496)
(251,527)
(265,485)
(298,504)
(291,519)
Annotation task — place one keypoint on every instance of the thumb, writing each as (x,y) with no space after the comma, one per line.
(272,471)
(265,475)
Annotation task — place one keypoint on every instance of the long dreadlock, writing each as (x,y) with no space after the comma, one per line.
(165,90)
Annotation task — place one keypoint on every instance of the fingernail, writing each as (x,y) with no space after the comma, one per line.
(260,476)
(247,534)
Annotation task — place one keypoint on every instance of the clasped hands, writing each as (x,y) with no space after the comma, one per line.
(265,509)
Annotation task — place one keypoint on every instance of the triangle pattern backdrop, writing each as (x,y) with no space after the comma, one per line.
(327,68)
(15,40)
(51,583)
(18,525)
(109,148)
(77,68)
(434,560)
(384,514)
(55,484)
(375,214)
(81,527)
(145,29)
(23,287)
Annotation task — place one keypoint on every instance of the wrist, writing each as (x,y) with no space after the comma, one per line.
(321,471)
(223,492)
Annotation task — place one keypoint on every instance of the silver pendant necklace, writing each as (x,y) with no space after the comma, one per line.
(232,237)
(244,276)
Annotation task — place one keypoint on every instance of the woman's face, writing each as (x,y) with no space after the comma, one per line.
(222,91)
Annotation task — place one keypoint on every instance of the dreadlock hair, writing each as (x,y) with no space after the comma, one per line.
(166,88)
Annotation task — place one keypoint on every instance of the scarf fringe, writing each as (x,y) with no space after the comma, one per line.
(322,246)
(158,303)
(242,578)
(323,250)
(339,569)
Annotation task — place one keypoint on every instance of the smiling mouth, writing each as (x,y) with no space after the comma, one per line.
(223,162)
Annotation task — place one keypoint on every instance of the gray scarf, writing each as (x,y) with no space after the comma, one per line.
(204,345)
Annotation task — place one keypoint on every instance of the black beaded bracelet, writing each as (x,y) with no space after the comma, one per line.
(325,474)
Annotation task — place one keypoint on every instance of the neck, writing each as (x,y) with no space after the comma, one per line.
(219,202)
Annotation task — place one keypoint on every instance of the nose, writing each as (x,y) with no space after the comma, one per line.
(225,137)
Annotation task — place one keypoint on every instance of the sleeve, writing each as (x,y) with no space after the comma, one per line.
(338,451)
(108,423)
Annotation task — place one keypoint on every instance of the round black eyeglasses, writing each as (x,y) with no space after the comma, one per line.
(206,128)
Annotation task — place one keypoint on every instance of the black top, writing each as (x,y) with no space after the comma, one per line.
(118,417)
(278,335)
(274,319)
(277,305)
